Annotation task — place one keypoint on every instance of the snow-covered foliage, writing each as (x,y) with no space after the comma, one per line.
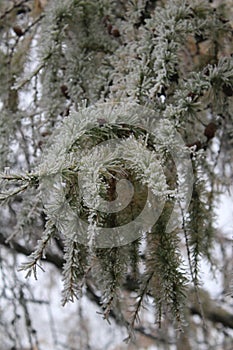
(108,114)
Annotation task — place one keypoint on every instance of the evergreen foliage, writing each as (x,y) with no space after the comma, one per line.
(89,72)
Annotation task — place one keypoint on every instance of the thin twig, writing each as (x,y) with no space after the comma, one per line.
(12,8)
(191,270)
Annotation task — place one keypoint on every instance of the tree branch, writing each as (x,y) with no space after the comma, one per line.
(54,259)
(212,312)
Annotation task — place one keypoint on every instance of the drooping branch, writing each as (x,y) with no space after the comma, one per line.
(212,311)
(14,246)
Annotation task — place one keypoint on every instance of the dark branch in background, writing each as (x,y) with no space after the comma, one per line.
(54,259)
(19,32)
(212,312)
(14,6)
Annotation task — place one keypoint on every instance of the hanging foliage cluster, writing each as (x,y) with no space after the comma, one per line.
(114,153)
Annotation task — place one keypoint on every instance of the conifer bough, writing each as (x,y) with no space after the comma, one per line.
(135,94)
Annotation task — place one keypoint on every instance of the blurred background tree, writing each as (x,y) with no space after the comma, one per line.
(62,62)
